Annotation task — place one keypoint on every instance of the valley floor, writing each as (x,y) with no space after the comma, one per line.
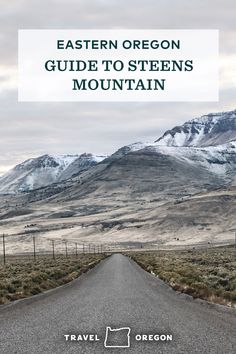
(203,220)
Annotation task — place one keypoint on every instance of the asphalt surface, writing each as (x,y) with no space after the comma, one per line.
(116,293)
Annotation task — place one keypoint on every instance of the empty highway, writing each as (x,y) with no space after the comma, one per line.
(116,293)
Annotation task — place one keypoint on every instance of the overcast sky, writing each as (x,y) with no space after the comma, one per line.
(31,129)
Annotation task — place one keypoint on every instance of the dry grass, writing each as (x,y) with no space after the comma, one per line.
(208,274)
(22,277)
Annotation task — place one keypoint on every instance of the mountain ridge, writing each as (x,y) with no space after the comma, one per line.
(44,170)
(208,130)
(213,134)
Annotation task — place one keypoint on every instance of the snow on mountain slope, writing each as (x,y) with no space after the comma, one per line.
(44,170)
(209,130)
(84,162)
(220,159)
(127,149)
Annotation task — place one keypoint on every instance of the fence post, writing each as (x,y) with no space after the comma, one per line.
(53,250)
(34,248)
(4,249)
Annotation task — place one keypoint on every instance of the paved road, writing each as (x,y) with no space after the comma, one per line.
(116,293)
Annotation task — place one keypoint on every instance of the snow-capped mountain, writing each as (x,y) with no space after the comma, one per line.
(207,142)
(209,130)
(44,170)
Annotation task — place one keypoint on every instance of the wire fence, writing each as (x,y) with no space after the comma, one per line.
(37,246)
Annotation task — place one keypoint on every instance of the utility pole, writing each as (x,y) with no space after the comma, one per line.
(76,250)
(235,242)
(53,249)
(83,249)
(4,249)
(34,248)
(66,249)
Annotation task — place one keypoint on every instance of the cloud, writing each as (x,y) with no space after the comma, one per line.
(228,71)
(8,77)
